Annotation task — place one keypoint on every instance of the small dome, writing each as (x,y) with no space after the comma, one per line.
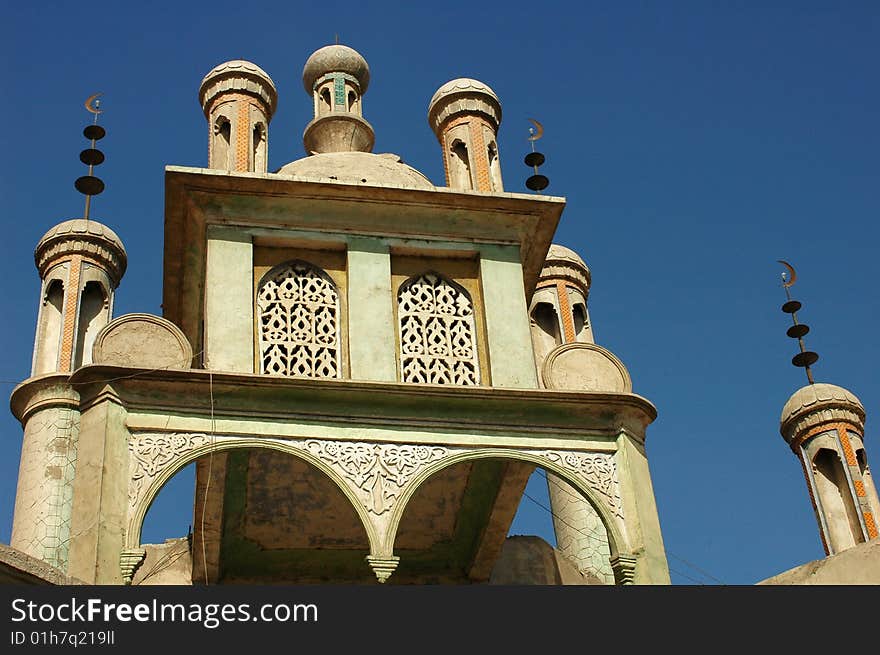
(79,228)
(565,263)
(462,96)
(814,399)
(251,78)
(335,59)
(459,86)
(239,67)
(79,236)
(357,168)
(563,254)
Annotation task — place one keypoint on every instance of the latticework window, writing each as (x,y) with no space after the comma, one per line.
(437,335)
(298,308)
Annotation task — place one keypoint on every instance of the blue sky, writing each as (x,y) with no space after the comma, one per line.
(696,144)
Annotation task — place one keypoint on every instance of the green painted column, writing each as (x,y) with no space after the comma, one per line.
(372,345)
(512,361)
(229,301)
(640,510)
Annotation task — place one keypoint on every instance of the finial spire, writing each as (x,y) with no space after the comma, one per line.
(89,185)
(536,182)
(805,358)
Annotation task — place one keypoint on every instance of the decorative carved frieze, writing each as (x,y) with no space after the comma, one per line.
(598,470)
(152,452)
(378,472)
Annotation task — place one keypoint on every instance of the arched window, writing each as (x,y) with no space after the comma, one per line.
(92,304)
(494,167)
(298,322)
(222,152)
(437,336)
(258,148)
(836,500)
(49,329)
(460,166)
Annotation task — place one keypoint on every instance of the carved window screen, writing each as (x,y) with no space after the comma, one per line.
(437,335)
(298,322)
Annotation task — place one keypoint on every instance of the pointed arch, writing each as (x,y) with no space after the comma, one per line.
(437,333)
(297,317)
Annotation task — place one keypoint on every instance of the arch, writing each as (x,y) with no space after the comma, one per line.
(297,319)
(837,503)
(437,332)
(353,102)
(221,146)
(616,541)
(138,513)
(494,167)
(258,148)
(49,327)
(93,315)
(325,104)
(460,166)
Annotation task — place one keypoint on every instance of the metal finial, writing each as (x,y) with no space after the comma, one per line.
(89,185)
(534,159)
(805,358)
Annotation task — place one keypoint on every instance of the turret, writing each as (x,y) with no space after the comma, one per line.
(238,99)
(81,262)
(464,115)
(825,425)
(337,77)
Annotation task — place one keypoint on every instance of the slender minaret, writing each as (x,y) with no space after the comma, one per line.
(238,99)
(464,115)
(825,425)
(81,262)
(559,316)
(337,77)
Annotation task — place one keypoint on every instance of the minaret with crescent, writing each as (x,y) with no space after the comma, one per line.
(238,99)
(464,115)
(824,425)
(81,262)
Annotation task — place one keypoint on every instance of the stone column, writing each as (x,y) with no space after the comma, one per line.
(640,511)
(100,492)
(511,358)
(229,301)
(371,339)
(44,496)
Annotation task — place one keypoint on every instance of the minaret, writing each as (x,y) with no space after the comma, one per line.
(81,262)
(825,425)
(238,99)
(337,77)
(560,323)
(464,115)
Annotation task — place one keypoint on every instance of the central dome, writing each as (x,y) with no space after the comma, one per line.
(357,168)
(336,59)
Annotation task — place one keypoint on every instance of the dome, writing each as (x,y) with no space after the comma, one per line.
(78,228)
(245,76)
(79,236)
(335,59)
(565,263)
(463,96)
(357,168)
(459,86)
(563,254)
(821,401)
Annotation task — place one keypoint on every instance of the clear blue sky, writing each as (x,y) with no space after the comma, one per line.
(696,144)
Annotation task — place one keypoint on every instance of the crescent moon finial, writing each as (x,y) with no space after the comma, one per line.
(536,132)
(792,275)
(92,104)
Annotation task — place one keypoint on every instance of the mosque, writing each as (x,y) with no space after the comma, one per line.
(365,368)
